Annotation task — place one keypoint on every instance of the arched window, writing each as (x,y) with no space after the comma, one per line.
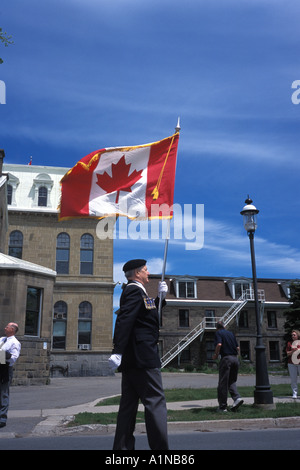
(62,253)
(15,244)
(86,254)
(43,197)
(85,325)
(60,312)
(9,191)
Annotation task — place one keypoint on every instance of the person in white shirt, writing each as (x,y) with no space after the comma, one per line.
(12,348)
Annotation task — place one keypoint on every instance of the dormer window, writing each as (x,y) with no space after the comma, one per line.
(286,287)
(11,188)
(43,197)
(42,186)
(186,288)
(239,287)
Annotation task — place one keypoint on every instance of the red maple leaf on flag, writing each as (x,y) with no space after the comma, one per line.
(120,180)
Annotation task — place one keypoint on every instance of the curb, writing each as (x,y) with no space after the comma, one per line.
(53,422)
(56,425)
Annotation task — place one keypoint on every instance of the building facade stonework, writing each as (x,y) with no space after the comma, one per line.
(78,332)
(19,281)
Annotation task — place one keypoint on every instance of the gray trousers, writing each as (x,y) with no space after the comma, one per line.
(4,401)
(228,373)
(146,385)
(294,370)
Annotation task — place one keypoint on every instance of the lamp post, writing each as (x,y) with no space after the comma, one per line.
(263,396)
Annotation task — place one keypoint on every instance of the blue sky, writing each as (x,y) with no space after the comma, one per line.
(88,74)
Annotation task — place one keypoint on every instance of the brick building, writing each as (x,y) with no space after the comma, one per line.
(79,331)
(194,304)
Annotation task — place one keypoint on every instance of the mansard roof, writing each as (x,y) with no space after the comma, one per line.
(210,288)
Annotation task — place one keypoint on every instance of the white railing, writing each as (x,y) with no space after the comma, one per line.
(210,323)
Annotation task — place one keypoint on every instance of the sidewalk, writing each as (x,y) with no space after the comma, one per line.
(44,410)
(53,421)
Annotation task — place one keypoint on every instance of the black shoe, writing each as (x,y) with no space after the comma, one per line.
(221,410)
(2,424)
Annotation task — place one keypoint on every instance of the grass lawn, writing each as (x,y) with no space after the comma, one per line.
(200,414)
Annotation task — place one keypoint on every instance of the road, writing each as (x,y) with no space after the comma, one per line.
(29,405)
(278,439)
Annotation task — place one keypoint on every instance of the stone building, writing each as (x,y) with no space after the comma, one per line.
(194,304)
(79,331)
(26,297)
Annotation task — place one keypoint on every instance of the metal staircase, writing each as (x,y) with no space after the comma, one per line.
(210,323)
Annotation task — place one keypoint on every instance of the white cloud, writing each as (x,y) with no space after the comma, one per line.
(227,243)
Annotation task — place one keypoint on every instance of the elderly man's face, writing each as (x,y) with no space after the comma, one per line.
(142,275)
(10,329)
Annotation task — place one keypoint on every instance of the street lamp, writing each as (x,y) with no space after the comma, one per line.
(263,396)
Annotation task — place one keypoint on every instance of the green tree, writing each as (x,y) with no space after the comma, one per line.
(5,39)
(292,314)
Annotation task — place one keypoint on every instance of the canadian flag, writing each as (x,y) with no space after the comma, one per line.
(136,182)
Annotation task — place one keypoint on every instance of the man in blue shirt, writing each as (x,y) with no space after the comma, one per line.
(226,345)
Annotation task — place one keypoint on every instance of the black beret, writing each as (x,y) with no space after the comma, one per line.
(134,264)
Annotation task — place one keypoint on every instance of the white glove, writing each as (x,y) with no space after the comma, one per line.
(162,289)
(114,361)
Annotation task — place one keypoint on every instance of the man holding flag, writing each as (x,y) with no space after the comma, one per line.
(135,182)
(136,354)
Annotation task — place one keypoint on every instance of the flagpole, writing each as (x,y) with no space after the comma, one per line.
(177,130)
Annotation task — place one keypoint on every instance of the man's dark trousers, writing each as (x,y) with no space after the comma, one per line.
(146,385)
(228,373)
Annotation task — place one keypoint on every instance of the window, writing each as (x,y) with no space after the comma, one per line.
(186,289)
(183,318)
(9,190)
(274,351)
(210,321)
(243,319)
(43,196)
(15,244)
(286,287)
(185,355)
(59,325)
(42,186)
(272,319)
(210,349)
(33,311)
(86,254)
(84,325)
(62,253)
(240,288)
(245,350)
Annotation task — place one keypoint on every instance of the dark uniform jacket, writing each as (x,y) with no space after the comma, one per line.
(137,329)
